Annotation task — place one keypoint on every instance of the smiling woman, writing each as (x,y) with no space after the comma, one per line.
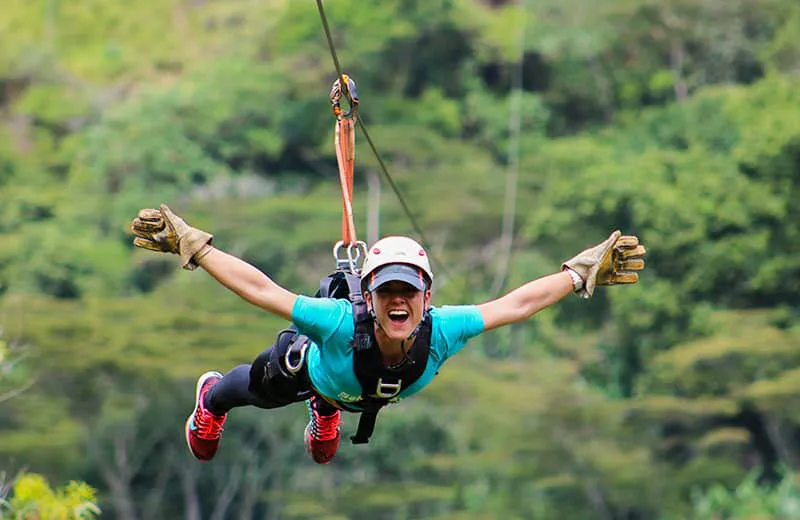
(396,280)
(385,344)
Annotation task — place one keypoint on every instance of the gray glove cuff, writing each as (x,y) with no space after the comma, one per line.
(193,246)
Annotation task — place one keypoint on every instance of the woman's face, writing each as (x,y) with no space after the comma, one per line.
(398,307)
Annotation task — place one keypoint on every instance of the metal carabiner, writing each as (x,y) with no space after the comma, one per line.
(294,368)
(350,92)
(350,261)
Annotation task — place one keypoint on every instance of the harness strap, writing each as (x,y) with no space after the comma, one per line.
(380,384)
(362,334)
(366,421)
(290,348)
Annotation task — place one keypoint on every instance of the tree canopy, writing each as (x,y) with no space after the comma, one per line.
(673,120)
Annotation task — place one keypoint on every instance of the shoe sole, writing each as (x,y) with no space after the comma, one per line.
(187,428)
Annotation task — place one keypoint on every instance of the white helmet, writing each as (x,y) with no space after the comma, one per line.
(400,251)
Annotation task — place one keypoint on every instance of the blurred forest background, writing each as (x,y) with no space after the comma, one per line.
(676,120)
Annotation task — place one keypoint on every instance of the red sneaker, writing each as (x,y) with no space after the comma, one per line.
(203,428)
(322,434)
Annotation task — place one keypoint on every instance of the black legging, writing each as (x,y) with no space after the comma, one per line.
(234,389)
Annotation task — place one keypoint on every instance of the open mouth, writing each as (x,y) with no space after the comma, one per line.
(398,317)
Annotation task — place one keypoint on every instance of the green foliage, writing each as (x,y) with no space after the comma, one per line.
(673,120)
(33,498)
(749,500)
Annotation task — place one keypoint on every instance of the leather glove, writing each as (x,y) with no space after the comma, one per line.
(613,262)
(164,231)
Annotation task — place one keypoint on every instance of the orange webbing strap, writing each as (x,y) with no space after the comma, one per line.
(345,155)
(345,142)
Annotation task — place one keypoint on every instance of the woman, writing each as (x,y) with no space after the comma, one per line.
(358,355)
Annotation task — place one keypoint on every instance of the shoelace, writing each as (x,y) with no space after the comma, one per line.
(324,428)
(209,426)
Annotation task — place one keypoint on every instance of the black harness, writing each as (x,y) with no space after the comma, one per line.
(380,384)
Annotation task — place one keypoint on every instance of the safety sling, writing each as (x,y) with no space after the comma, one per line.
(379,384)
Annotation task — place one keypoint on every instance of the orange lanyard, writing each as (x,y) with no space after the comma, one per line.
(345,142)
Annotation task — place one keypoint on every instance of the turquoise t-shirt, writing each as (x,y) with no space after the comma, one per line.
(329,325)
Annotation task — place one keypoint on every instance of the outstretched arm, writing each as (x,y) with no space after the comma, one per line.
(525,301)
(164,231)
(248,282)
(615,261)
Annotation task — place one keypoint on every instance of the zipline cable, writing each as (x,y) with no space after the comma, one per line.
(346,91)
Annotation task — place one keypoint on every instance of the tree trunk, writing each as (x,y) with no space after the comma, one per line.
(190,499)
